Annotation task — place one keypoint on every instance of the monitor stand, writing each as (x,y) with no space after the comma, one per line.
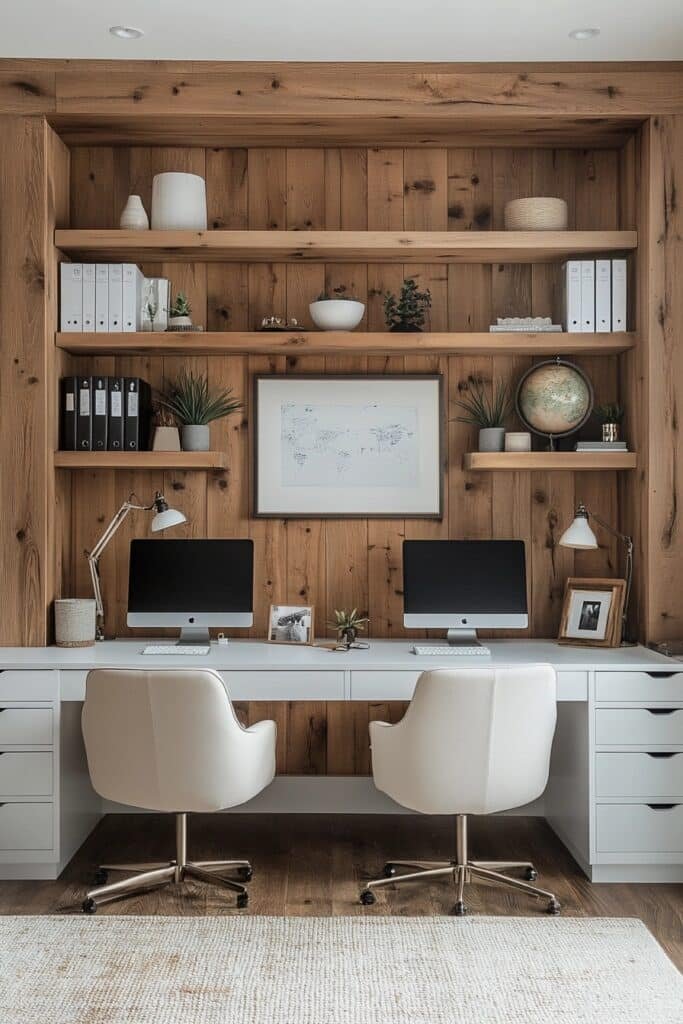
(462,638)
(193,636)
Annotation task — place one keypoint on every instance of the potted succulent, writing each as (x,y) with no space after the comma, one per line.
(408,312)
(166,433)
(194,406)
(336,311)
(179,315)
(610,416)
(347,626)
(488,412)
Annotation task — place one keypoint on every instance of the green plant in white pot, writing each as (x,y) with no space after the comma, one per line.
(180,313)
(486,411)
(195,406)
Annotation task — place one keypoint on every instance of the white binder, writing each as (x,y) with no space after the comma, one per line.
(571,297)
(603,296)
(132,297)
(71,281)
(588,296)
(102,297)
(88,296)
(115,297)
(619,288)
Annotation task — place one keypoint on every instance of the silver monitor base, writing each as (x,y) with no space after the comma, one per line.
(462,638)
(193,636)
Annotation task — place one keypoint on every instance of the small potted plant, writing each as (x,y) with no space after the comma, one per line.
(408,312)
(166,433)
(347,626)
(194,406)
(488,412)
(336,311)
(179,315)
(610,417)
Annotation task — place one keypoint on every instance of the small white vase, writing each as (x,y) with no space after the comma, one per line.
(166,439)
(178,202)
(491,439)
(196,437)
(133,217)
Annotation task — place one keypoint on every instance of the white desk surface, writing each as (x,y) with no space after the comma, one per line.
(255,655)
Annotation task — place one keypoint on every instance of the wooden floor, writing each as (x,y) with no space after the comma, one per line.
(315,864)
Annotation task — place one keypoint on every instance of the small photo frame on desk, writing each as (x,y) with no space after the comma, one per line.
(290,624)
(592,612)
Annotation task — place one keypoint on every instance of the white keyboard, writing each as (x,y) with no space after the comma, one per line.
(444,651)
(176,649)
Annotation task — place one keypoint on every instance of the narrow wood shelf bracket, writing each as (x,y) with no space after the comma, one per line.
(342,246)
(140,460)
(566,461)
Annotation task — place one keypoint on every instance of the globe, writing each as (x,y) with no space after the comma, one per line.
(554,398)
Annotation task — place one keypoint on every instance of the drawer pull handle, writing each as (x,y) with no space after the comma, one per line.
(662,675)
(662,753)
(661,711)
(661,807)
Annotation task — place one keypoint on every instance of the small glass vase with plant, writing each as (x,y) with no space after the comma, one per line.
(488,411)
(195,406)
(611,417)
(347,626)
(408,312)
(179,315)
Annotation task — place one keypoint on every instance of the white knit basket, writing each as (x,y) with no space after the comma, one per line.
(74,622)
(537,213)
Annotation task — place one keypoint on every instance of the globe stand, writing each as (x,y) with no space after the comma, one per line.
(573,426)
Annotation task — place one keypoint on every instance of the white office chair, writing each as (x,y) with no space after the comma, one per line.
(473,741)
(168,740)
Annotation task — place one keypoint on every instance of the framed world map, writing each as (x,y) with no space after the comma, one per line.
(338,446)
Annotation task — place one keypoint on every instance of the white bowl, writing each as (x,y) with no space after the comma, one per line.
(336,314)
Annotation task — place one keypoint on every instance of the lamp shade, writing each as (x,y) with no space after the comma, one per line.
(168,517)
(579,535)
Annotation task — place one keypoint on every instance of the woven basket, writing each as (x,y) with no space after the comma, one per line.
(537,213)
(74,622)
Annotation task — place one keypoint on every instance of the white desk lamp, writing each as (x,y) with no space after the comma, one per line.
(164,518)
(580,537)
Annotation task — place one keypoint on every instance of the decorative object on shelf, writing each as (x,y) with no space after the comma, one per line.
(164,518)
(347,626)
(75,622)
(487,413)
(195,406)
(408,312)
(336,312)
(156,292)
(554,399)
(518,441)
(179,314)
(592,612)
(133,216)
(178,202)
(166,433)
(525,324)
(580,537)
(280,323)
(610,417)
(347,446)
(290,624)
(536,213)
(600,446)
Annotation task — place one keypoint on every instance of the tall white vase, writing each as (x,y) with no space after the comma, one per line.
(178,202)
(133,216)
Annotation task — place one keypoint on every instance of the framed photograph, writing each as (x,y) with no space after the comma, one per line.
(343,446)
(290,624)
(592,612)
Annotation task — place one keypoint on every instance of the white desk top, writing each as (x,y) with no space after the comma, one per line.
(392,655)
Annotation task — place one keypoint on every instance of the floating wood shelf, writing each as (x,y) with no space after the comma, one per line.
(321,342)
(568,461)
(140,460)
(342,246)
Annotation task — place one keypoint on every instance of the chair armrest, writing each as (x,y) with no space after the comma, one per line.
(265,726)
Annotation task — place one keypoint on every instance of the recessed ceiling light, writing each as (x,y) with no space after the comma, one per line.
(126,32)
(584,33)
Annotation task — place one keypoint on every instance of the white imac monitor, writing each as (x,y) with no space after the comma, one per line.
(464,585)
(193,584)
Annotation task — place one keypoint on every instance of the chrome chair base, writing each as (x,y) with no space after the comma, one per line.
(155,876)
(462,871)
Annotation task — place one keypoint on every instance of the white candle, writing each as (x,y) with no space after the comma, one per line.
(518,442)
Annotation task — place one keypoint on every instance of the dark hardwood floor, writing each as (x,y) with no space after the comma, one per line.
(315,864)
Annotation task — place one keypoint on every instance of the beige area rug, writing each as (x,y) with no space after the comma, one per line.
(381,970)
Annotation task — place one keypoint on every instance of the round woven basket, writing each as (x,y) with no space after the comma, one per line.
(74,622)
(536,213)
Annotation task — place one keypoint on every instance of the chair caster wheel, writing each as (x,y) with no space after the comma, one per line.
(367,898)
(89,906)
(460,909)
(242,900)
(531,874)
(554,907)
(389,870)
(101,877)
(245,874)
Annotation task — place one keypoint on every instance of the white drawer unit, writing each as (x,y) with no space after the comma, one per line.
(644,727)
(25,685)
(25,726)
(383,685)
(25,773)
(267,685)
(634,774)
(25,826)
(640,828)
(645,687)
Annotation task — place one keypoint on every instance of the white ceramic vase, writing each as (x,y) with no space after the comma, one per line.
(491,439)
(196,437)
(178,202)
(336,314)
(133,216)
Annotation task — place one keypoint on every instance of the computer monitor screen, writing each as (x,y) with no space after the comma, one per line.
(464,584)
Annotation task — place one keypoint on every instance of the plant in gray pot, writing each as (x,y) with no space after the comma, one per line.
(195,406)
(486,411)
(347,626)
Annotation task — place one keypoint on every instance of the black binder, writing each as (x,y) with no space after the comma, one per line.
(84,415)
(68,388)
(99,389)
(115,407)
(136,414)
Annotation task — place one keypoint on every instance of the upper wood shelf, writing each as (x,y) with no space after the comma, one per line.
(568,461)
(342,246)
(140,460)
(320,343)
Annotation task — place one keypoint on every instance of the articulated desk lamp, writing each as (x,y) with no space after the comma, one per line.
(164,518)
(580,537)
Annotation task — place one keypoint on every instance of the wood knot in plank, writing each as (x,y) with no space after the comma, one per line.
(30,88)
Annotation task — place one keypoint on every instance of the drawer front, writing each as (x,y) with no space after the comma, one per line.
(642,686)
(25,726)
(383,685)
(639,726)
(639,775)
(572,686)
(25,773)
(25,684)
(25,826)
(639,828)
(302,685)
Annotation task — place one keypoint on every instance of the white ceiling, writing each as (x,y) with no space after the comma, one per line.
(309,30)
